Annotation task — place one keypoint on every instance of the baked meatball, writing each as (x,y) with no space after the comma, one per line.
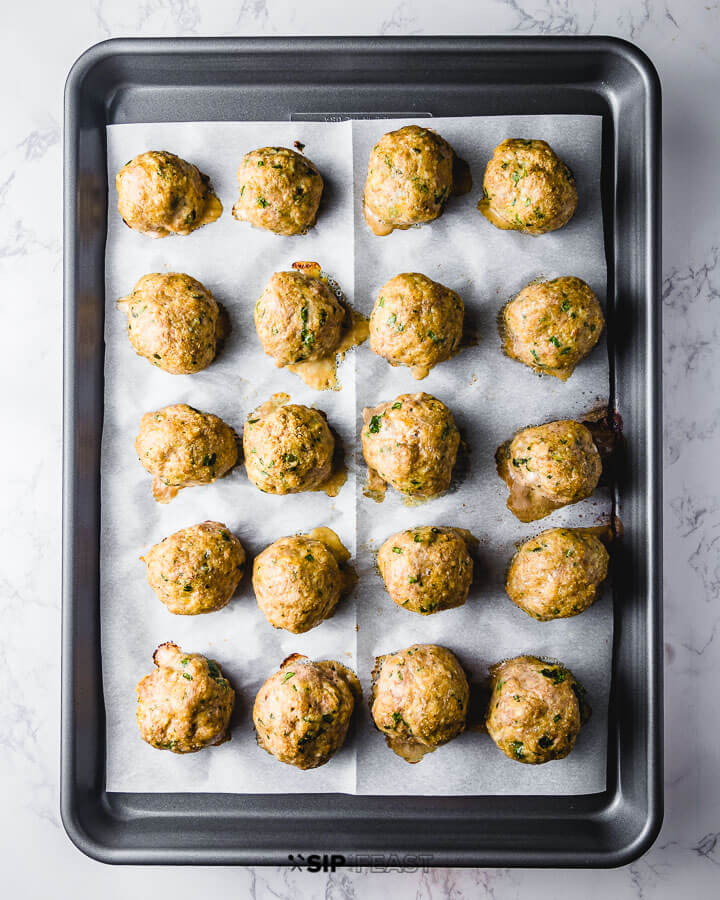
(556,574)
(410,177)
(280,191)
(196,570)
(160,194)
(288,448)
(298,317)
(548,466)
(303,711)
(416,322)
(299,580)
(185,703)
(427,569)
(527,188)
(173,321)
(183,447)
(536,709)
(411,443)
(552,325)
(419,699)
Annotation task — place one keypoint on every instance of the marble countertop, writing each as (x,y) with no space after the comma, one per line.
(40,43)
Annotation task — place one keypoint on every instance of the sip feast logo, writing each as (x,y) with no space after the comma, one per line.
(363,862)
(316,862)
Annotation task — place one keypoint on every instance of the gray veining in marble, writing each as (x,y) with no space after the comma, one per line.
(39,42)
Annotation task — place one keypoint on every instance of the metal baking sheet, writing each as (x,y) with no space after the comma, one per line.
(255,79)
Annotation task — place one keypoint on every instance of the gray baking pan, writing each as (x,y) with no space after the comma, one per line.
(261,79)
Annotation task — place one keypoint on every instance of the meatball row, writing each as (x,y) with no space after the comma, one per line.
(298,580)
(419,701)
(412,173)
(410,443)
(304,324)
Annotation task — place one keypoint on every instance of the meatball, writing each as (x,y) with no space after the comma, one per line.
(427,569)
(173,321)
(527,188)
(536,709)
(556,574)
(302,712)
(298,317)
(288,448)
(280,191)
(182,447)
(548,466)
(410,177)
(196,570)
(299,580)
(411,443)
(160,194)
(552,325)
(419,699)
(416,322)
(185,703)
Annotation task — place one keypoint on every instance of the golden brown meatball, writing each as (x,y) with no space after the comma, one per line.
(160,194)
(185,703)
(196,570)
(536,709)
(410,177)
(556,574)
(298,318)
(416,322)
(288,448)
(419,699)
(302,712)
(280,191)
(552,325)
(173,321)
(427,569)
(527,188)
(411,443)
(548,466)
(183,447)
(299,580)
(303,325)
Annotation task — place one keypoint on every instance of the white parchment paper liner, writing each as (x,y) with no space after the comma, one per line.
(490,395)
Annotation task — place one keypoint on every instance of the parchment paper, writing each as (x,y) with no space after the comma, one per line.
(490,396)
(234,261)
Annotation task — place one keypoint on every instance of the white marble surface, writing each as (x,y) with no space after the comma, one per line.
(39,42)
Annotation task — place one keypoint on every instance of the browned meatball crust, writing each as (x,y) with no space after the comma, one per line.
(298,580)
(410,177)
(548,466)
(527,188)
(173,321)
(536,709)
(161,194)
(552,325)
(411,443)
(185,703)
(197,569)
(288,448)
(280,191)
(419,699)
(302,712)
(298,318)
(427,569)
(182,447)
(416,322)
(557,573)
